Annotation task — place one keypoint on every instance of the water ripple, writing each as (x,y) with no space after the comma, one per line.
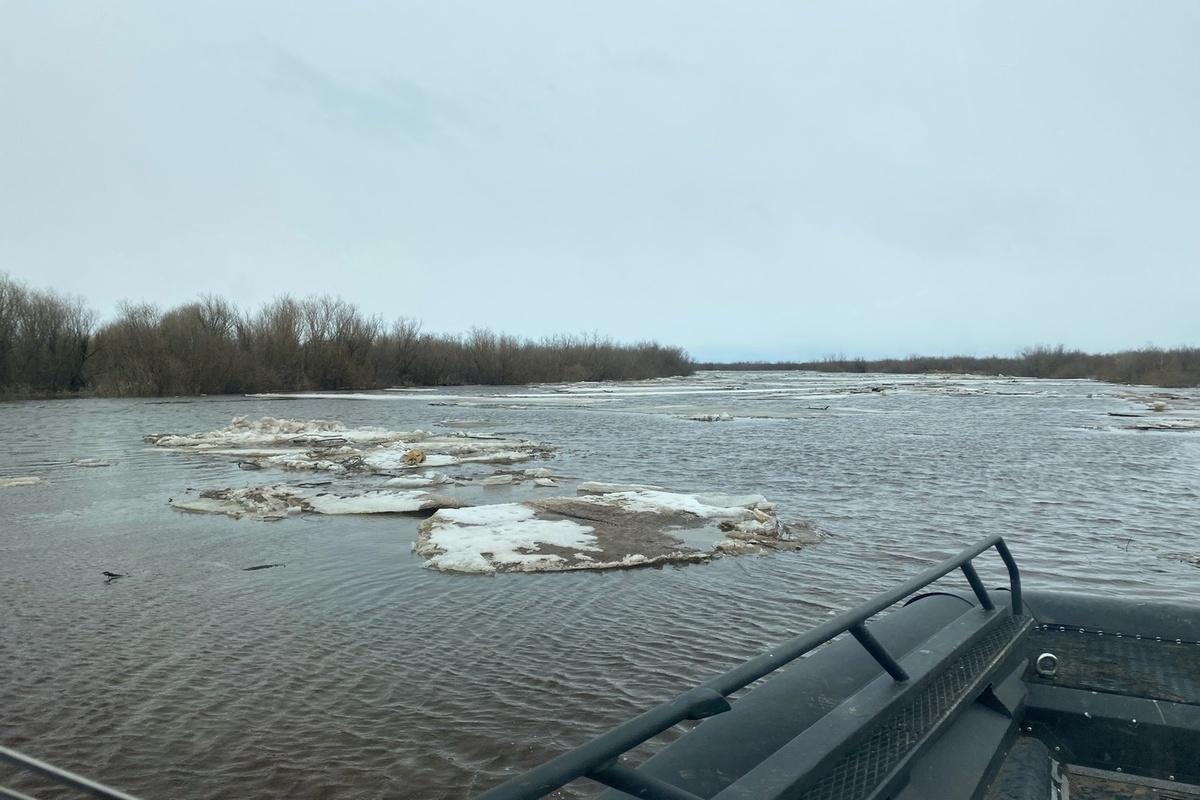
(353,672)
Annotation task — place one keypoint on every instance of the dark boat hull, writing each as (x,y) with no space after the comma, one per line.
(979,696)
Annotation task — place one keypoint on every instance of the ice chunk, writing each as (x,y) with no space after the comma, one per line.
(597,487)
(626,529)
(278,502)
(27,480)
(327,446)
(497,480)
(415,481)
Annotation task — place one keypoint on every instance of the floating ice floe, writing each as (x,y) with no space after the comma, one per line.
(614,530)
(92,462)
(26,480)
(326,446)
(280,502)
(1161,424)
(1159,419)
(419,481)
(504,479)
(1159,411)
(600,487)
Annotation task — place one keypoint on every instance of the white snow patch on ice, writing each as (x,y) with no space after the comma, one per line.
(670,502)
(417,481)
(372,502)
(481,538)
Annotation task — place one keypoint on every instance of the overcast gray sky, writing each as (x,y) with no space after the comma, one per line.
(744,179)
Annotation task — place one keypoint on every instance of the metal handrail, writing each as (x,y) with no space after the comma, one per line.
(60,776)
(597,759)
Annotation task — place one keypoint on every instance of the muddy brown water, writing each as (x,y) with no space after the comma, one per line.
(351,671)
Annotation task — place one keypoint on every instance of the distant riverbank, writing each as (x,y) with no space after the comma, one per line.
(1178,367)
(52,344)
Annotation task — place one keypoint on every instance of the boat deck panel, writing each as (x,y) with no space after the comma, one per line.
(1156,670)
(1090,784)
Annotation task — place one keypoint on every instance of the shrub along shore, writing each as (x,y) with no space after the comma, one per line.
(52,344)
(1152,366)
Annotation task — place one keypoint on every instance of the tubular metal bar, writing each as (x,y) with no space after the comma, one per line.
(878,652)
(1014,577)
(632,782)
(10,794)
(703,700)
(755,668)
(593,756)
(968,569)
(61,776)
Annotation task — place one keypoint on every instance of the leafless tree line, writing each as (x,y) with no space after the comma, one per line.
(52,344)
(46,340)
(1152,366)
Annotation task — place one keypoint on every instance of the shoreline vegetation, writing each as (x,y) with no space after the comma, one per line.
(1151,366)
(53,345)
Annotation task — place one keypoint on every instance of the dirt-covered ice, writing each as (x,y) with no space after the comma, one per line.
(326,446)
(280,502)
(631,527)
(378,471)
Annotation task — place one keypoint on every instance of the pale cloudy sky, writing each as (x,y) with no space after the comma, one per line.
(746,179)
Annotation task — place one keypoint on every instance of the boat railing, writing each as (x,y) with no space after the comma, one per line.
(598,759)
(55,775)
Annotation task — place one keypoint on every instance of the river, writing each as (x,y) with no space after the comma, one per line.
(352,671)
